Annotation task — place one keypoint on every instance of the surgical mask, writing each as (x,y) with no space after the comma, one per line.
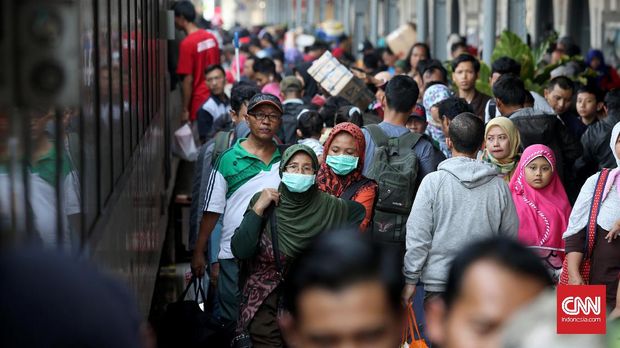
(343,164)
(297,182)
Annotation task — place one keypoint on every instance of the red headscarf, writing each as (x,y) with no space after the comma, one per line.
(326,178)
(543,213)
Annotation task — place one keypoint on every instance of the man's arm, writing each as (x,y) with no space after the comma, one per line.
(209,219)
(509,225)
(428,157)
(186,87)
(419,233)
(418,240)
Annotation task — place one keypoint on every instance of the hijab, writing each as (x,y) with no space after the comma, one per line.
(433,95)
(603,69)
(579,217)
(302,216)
(329,181)
(543,213)
(507,165)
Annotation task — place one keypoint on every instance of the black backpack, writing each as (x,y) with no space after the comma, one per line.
(395,169)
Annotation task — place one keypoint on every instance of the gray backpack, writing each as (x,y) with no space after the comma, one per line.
(395,169)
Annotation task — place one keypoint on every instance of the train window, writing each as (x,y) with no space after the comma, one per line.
(115,78)
(133,76)
(89,165)
(105,105)
(140,64)
(126,80)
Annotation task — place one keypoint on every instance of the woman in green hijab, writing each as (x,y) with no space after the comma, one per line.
(301,212)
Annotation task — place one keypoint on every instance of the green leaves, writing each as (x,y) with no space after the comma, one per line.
(510,45)
(482,83)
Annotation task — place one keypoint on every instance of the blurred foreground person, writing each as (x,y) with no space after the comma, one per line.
(488,281)
(535,325)
(69,304)
(343,292)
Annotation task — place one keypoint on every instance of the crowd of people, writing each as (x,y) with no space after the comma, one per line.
(318,220)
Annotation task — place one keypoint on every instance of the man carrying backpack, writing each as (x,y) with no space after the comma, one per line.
(397,160)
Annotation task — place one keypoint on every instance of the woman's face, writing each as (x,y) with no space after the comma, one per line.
(498,143)
(418,54)
(595,63)
(538,173)
(343,144)
(300,163)
(618,146)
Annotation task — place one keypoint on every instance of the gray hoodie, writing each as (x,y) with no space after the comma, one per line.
(463,201)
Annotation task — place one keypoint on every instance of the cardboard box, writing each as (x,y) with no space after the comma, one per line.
(401,40)
(337,80)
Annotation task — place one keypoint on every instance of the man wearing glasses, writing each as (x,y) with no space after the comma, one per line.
(249,166)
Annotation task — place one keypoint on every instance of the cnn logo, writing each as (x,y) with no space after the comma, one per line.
(574,305)
(581,309)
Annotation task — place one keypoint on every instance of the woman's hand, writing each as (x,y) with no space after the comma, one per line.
(614,232)
(575,279)
(267,196)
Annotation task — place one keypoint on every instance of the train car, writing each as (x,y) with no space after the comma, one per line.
(85,131)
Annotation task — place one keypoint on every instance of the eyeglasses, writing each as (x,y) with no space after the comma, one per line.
(262,117)
(296,168)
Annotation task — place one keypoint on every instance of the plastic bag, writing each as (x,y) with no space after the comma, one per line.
(185,144)
(411,330)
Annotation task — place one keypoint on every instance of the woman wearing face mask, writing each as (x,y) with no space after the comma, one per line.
(598,232)
(502,141)
(341,172)
(542,205)
(301,212)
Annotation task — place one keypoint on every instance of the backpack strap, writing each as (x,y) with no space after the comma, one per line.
(409,140)
(595,208)
(352,190)
(377,135)
(221,144)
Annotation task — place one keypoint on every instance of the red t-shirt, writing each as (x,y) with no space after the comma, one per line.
(196,52)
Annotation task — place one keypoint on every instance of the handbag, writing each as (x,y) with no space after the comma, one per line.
(597,200)
(184,324)
(411,330)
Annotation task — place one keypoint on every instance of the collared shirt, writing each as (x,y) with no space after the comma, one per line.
(236,177)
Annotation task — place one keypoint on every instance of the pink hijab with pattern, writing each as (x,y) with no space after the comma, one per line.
(543,213)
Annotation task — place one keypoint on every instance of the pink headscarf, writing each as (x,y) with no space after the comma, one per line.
(543,213)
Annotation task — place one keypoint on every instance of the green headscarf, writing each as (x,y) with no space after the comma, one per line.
(302,216)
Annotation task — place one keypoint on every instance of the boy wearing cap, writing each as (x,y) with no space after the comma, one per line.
(249,166)
(417,120)
(291,93)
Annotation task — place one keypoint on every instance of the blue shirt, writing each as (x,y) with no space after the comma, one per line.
(428,157)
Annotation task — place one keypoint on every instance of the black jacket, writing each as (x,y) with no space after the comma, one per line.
(596,151)
(287,133)
(540,128)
